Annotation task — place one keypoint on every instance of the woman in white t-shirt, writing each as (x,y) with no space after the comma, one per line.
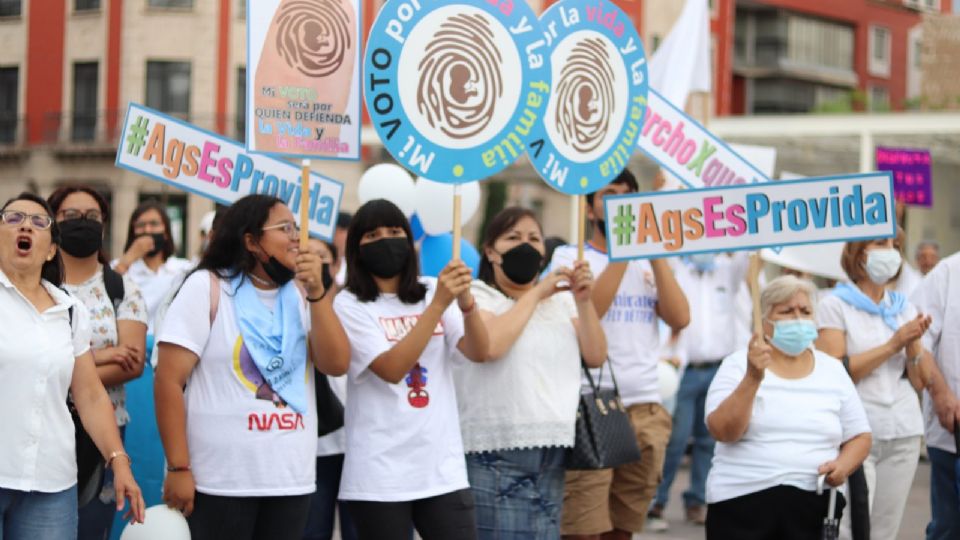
(119,329)
(782,414)
(518,410)
(877,333)
(404,464)
(44,352)
(241,441)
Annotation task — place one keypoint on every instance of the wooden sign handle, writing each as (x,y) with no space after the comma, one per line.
(581,224)
(457,226)
(304,204)
(753,279)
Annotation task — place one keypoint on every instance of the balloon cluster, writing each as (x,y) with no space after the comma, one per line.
(427,204)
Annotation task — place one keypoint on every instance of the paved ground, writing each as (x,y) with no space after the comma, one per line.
(914,519)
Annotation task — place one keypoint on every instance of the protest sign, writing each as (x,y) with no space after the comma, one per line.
(454,87)
(303,85)
(750,216)
(684,147)
(595,111)
(912,177)
(206,164)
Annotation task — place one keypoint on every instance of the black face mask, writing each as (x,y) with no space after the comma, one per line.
(326,277)
(522,263)
(277,272)
(159,241)
(81,238)
(384,258)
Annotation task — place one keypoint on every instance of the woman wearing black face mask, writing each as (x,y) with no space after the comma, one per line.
(241,442)
(518,410)
(405,463)
(119,329)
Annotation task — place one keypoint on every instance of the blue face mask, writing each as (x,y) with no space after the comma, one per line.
(703,262)
(793,336)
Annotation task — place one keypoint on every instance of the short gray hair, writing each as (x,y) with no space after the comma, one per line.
(928,243)
(783,289)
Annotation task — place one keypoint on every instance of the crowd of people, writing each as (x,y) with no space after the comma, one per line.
(294,389)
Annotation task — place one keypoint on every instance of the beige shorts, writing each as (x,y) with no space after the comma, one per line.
(595,502)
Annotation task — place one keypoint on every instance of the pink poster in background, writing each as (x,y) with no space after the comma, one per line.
(912,175)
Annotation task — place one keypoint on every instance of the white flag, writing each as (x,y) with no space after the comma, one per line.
(682,63)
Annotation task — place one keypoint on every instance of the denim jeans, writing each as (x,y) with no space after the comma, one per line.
(323,503)
(944,503)
(518,493)
(689,421)
(31,515)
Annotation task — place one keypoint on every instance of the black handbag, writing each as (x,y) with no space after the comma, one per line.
(605,438)
(329,408)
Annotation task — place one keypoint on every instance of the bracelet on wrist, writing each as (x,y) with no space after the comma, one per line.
(469,310)
(118,453)
(315,300)
(184,468)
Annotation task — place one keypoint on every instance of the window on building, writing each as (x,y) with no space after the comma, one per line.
(168,87)
(9,79)
(879,99)
(84,101)
(818,43)
(241,110)
(171,3)
(10,8)
(86,5)
(879,62)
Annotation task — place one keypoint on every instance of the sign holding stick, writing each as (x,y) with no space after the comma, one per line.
(304,205)
(750,216)
(206,164)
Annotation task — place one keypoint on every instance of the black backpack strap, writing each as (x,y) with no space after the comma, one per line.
(113,282)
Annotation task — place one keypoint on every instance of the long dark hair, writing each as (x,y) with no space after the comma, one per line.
(374,214)
(168,247)
(501,223)
(61,193)
(52,270)
(227,255)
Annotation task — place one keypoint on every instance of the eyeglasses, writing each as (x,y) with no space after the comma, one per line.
(154,224)
(92,215)
(15,218)
(288,228)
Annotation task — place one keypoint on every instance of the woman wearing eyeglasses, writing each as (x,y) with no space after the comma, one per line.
(119,326)
(44,352)
(241,441)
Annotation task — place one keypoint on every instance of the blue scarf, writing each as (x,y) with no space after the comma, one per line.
(889,310)
(276,340)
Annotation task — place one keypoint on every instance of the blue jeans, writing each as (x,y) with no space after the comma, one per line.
(944,502)
(31,515)
(324,501)
(518,493)
(689,421)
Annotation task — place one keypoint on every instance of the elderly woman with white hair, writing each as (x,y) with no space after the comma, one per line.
(782,414)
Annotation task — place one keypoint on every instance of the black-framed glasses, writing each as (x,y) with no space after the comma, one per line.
(16,218)
(71,213)
(288,228)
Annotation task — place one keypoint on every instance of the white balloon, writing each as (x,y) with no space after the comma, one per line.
(434,203)
(160,521)
(669,380)
(390,182)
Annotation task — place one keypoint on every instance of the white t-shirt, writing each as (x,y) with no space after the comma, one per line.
(796,425)
(630,324)
(528,397)
(890,401)
(154,285)
(243,440)
(103,321)
(939,296)
(37,355)
(403,440)
(712,333)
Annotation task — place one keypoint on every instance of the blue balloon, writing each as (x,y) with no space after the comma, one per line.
(416,227)
(436,252)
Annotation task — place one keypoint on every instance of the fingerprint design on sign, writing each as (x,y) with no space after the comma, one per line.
(313,36)
(460,77)
(585,96)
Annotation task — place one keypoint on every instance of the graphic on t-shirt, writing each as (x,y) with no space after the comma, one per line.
(250,376)
(396,328)
(417,380)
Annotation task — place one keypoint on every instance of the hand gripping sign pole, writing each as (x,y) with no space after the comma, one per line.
(596,108)
(453,86)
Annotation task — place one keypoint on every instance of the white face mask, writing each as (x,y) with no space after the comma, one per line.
(883,264)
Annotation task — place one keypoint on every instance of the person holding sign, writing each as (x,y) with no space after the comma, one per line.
(518,410)
(629,296)
(404,463)
(241,442)
(878,335)
(782,413)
